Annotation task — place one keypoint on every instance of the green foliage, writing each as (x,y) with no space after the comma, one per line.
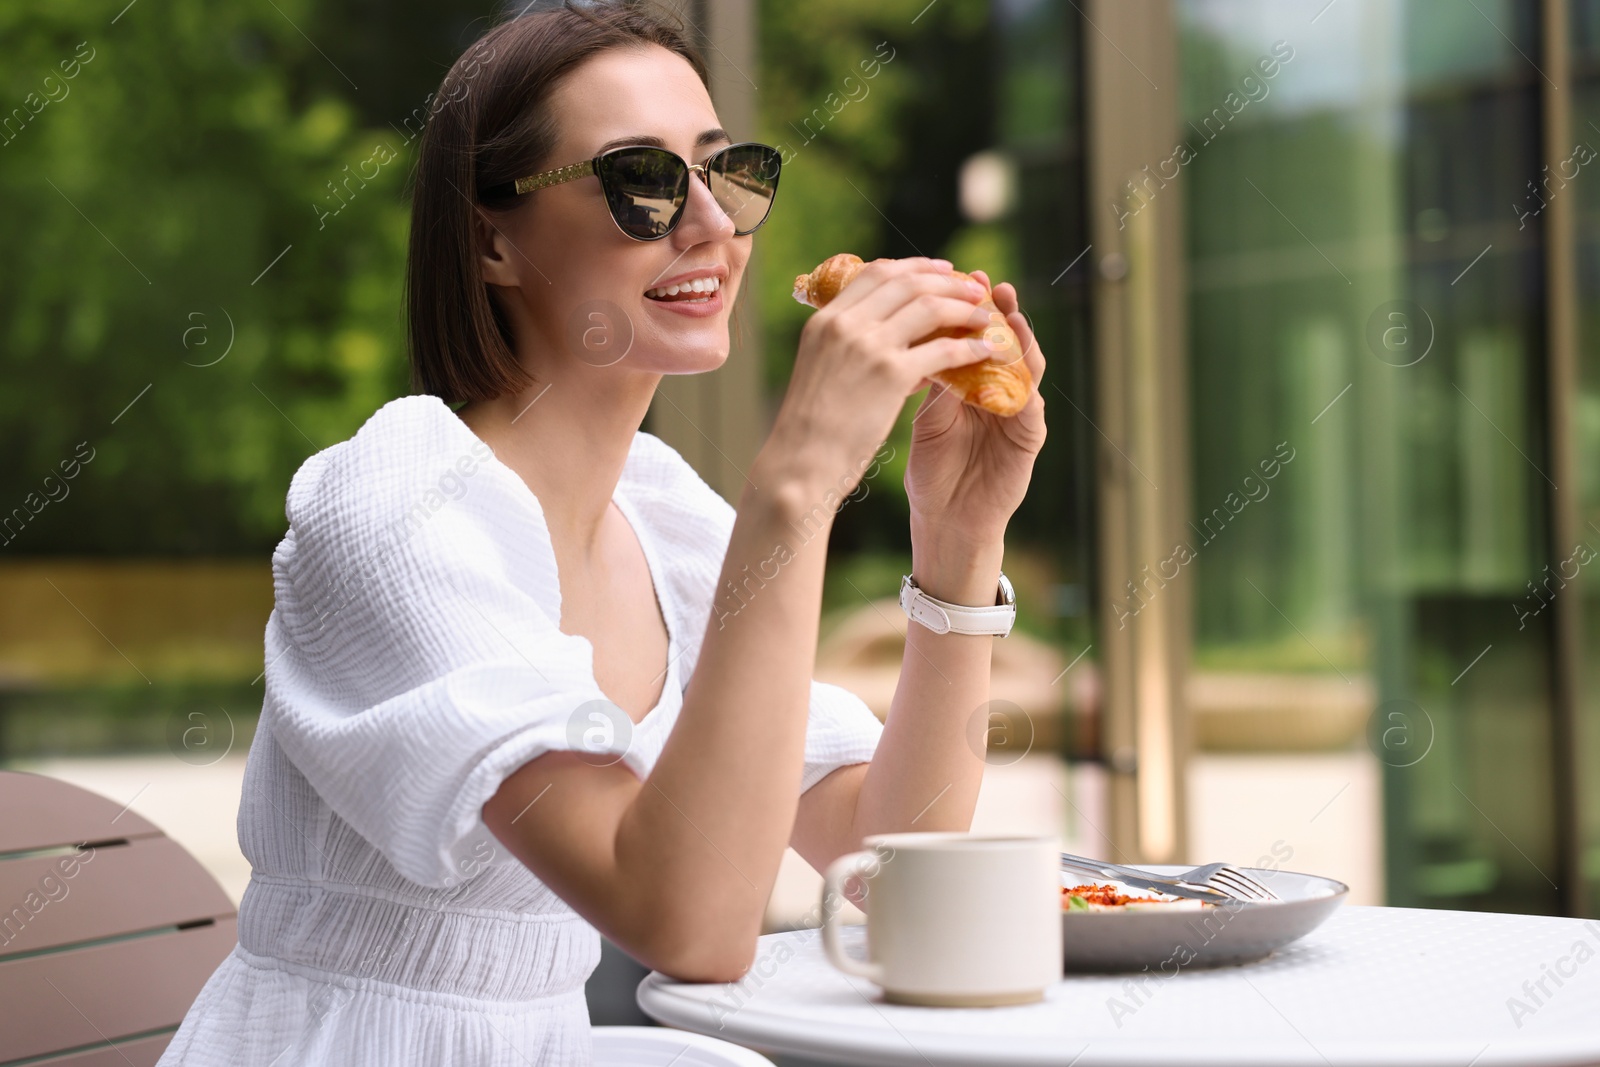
(146,211)
(844,87)
(873,107)
(180,297)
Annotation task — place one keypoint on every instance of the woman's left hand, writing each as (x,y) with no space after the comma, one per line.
(969,468)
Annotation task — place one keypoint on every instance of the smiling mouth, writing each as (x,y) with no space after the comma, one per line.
(698,291)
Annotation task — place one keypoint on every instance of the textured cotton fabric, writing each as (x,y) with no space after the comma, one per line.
(414,661)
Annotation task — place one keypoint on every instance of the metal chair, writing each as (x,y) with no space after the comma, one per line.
(108,929)
(657,1046)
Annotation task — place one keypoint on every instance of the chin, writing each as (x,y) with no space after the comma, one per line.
(692,351)
(694,361)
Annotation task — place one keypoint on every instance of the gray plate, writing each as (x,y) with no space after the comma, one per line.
(1211,937)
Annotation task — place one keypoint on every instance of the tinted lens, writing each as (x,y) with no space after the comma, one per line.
(645,189)
(744,180)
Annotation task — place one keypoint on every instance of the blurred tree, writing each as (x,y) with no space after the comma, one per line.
(874,108)
(206,237)
(206,232)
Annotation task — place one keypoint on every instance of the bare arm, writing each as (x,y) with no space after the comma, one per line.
(967,474)
(928,768)
(678,869)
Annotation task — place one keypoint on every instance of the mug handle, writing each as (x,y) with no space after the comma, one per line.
(853,863)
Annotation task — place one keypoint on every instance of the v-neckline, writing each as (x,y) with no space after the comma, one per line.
(641,533)
(658,585)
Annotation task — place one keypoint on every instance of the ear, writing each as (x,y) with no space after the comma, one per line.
(497,256)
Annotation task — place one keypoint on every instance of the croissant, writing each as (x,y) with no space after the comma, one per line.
(1000,384)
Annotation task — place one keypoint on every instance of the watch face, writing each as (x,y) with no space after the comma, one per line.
(1007,594)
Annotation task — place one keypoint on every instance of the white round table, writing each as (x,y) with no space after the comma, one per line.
(1370,987)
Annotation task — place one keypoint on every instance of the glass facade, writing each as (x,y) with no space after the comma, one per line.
(1372,212)
(1363,300)
(1584,45)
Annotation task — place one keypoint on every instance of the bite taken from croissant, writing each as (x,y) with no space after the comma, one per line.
(1000,383)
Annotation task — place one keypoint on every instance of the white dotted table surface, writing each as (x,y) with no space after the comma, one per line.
(1374,987)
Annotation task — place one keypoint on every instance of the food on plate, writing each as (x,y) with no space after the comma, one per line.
(1001,383)
(1100,897)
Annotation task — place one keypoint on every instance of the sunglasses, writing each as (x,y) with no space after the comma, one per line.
(646,188)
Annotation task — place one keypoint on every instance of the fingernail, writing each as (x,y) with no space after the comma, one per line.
(977,288)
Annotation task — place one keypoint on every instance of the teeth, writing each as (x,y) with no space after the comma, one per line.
(698,285)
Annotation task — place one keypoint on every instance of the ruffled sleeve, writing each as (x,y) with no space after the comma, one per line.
(695,523)
(842,730)
(421,660)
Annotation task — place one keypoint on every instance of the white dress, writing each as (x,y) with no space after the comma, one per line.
(414,661)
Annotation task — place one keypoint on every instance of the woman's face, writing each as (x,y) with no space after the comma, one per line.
(571,282)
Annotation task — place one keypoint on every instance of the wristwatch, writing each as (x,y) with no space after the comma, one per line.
(943,617)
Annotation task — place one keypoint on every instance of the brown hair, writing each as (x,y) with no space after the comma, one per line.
(491,124)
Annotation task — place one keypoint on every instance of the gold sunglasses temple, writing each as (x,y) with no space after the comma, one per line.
(554,177)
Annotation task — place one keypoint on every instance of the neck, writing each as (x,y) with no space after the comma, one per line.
(567,436)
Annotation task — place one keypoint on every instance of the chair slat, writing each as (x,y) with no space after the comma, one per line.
(139,1052)
(37,811)
(110,890)
(66,1000)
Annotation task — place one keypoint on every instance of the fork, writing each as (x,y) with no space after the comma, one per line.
(1214,882)
(1231,880)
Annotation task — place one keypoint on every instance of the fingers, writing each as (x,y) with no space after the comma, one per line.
(1032,356)
(1005,300)
(879,272)
(893,304)
(1005,297)
(942,353)
(930,314)
(939,399)
(891,297)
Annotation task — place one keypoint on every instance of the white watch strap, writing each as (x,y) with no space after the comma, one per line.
(943,617)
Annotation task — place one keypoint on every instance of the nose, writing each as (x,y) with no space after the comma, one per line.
(703,218)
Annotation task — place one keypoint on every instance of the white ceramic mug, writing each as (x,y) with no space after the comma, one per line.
(953,919)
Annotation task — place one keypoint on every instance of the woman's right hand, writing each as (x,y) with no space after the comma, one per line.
(858,361)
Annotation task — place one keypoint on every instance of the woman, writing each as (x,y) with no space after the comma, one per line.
(506,704)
